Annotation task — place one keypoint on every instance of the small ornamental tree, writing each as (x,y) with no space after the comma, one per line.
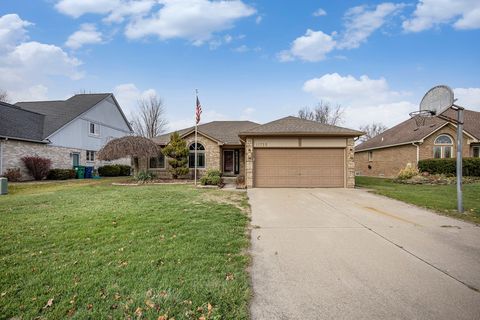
(177,153)
(37,166)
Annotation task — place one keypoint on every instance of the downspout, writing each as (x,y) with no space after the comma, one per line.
(1,156)
(418,151)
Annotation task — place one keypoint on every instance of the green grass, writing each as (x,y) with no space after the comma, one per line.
(102,251)
(440,198)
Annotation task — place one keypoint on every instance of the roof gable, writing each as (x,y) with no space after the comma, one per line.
(296,126)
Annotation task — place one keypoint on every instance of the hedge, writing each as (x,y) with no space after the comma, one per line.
(471,166)
(114,170)
(61,174)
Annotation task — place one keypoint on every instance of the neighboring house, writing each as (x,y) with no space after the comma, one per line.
(389,152)
(68,132)
(289,152)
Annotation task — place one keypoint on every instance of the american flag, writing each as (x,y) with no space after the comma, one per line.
(198,111)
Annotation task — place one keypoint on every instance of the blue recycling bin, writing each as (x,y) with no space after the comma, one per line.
(88,172)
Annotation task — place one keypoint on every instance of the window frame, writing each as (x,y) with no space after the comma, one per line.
(200,155)
(370,156)
(96,129)
(90,155)
(473,151)
(164,162)
(442,146)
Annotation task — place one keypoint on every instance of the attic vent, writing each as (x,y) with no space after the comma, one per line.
(415,129)
(432,125)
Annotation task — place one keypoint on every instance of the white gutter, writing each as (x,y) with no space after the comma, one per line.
(1,157)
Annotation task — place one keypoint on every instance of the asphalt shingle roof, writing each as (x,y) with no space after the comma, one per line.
(296,126)
(408,131)
(225,132)
(59,113)
(18,123)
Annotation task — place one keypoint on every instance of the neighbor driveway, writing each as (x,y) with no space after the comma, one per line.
(349,254)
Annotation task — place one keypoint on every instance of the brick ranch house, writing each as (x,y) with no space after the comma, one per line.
(386,154)
(68,132)
(289,152)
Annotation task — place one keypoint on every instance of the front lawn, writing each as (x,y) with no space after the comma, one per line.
(440,198)
(87,249)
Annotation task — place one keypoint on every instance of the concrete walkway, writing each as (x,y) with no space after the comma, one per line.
(349,254)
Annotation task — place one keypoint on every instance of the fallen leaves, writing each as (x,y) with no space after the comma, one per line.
(229,276)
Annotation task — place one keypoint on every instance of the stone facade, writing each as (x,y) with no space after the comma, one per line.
(387,162)
(13,150)
(249,163)
(350,154)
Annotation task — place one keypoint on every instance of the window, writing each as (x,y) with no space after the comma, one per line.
(476,151)
(200,156)
(443,147)
(370,155)
(90,155)
(93,129)
(157,162)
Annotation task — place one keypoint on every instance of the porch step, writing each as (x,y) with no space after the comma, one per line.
(228,180)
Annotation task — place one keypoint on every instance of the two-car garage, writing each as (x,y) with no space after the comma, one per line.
(299,168)
(298,153)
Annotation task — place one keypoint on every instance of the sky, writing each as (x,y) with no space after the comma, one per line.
(249,60)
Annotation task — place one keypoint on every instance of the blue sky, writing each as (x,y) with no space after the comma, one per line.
(256,60)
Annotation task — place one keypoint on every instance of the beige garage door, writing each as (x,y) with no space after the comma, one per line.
(299,168)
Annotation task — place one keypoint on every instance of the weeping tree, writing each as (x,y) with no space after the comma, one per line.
(129,146)
(177,153)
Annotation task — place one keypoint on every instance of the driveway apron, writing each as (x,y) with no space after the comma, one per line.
(349,254)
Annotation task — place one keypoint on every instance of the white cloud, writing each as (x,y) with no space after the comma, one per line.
(27,66)
(313,46)
(207,116)
(128,96)
(360,23)
(87,34)
(319,12)
(258,19)
(12,31)
(463,14)
(195,20)
(133,8)
(77,8)
(468,98)
(364,99)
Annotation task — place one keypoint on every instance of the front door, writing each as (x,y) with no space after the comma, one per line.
(75,159)
(228,161)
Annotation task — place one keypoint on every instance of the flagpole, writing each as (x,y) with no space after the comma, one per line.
(196,123)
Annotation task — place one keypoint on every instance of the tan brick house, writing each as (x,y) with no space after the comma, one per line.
(289,152)
(406,143)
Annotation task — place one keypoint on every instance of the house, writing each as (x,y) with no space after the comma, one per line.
(289,152)
(68,132)
(406,143)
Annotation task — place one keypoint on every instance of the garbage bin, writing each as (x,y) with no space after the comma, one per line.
(88,172)
(79,172)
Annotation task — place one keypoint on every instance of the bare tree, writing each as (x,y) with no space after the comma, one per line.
(372,130)
(4,96)
(150,120)
(323,113)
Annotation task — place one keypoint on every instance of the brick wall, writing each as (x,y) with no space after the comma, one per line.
(388,162)
(14,150)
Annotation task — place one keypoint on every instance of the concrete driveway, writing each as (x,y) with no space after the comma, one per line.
(349,254)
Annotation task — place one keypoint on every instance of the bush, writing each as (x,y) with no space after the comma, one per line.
(212,177)
(61,174)
(37,166)
(114,170)
(144,176)
(109,171)
(13,174)
(124,170)
(408,172)
(471,166)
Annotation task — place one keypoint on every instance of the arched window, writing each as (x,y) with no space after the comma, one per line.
(200,156)
(443,146)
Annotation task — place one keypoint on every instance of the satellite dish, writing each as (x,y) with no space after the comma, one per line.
(437,100)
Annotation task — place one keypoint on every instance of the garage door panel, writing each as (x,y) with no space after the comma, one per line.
(299,168)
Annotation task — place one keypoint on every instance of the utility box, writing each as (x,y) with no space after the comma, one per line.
(3,186)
